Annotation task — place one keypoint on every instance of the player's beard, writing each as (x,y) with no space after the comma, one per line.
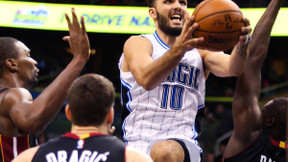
(164,26)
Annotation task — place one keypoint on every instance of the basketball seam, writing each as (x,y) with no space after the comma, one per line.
(217,13)
(234,31)
(201,7)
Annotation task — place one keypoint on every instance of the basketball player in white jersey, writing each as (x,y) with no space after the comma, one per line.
(163,82)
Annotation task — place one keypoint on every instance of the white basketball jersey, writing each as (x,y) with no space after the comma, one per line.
(168,110)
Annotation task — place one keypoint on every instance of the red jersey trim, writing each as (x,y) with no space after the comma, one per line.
(71,135)
(280,144)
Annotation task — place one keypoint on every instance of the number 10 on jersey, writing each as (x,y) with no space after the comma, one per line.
(172,95)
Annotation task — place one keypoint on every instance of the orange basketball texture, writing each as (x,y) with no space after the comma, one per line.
(220,23)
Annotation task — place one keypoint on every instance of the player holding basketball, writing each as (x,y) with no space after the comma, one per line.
(19,114)
(163,82)
(258,135)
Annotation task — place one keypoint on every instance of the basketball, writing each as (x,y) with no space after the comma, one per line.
(220,23)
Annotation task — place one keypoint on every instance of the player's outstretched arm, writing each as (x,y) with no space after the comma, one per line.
(246,111)
(34,116)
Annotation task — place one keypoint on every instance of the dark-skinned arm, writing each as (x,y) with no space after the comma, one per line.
(34,116)
(246,112)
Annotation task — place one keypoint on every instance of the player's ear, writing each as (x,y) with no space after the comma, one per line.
(110,116)
(270,122)
(11,64)
(152,13)
(68,112)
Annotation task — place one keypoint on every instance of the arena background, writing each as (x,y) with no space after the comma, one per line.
(53,55)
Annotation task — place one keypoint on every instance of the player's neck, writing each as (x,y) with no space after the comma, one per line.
(167,39)
(81,130)
(8,81)
(13,81)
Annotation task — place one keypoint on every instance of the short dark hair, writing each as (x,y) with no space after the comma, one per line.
(151,3)
(277,109)
(8,49)
(276,106)
(90,98)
